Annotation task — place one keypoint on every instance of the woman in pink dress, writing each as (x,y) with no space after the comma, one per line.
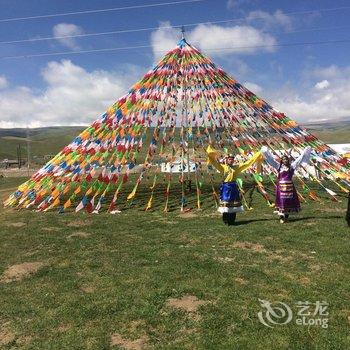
(287,200)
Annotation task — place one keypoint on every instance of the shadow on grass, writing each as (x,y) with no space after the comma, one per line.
(317,217)
(245,222)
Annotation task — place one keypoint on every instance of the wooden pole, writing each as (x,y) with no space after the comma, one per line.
(348,212)
(28,152)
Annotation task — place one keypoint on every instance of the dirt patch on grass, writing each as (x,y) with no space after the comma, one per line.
(88,289)
(20,271)
(78,223)
(16,224)
(271,238)
(62,328)
(32,252)
(289,256)
(280,257)
(188,331)
(283,294)
(136,325)
(312,223)
(165,219)
(214,214)
(80,234)
(137,344)
(250,246)
(304,280)
(171,222)
(241,280)
(331,210)
(24,340)
(189,303)
(6,336)
(187,215)
(51,229)
(289,276)
(189,240)
(225,259)
(315,267)
(306,257)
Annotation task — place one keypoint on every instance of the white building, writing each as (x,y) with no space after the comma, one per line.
(341,148)
(178,166)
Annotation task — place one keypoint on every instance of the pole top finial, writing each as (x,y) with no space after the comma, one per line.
(183,32)
(182,43)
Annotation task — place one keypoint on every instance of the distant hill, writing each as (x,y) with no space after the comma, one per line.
(331,132)
(43,141)
(50,140)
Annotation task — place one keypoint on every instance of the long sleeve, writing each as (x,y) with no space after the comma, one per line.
(269,158)
(212,154)
(303,158)
(244,166)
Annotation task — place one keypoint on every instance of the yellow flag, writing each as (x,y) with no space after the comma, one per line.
(55,202)
(25,203)
(132,193)
(10,201)
(149,204)
(23,187)
(88,191)
(55,193)
(67,204)
(66,189)
(259,163)
(42,193)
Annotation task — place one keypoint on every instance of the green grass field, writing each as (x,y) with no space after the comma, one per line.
(336,135)
(154,280)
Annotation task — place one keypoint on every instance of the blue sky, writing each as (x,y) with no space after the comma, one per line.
(308,82)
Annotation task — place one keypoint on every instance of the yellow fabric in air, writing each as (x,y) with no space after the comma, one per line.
(231,172)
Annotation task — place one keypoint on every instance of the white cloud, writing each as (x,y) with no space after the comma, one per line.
(73,96)
(212,38)
(278,18)
(257,89)
(327,103)
(330,72)
(239,66)
(164,39)
(324,84)
(233,4)
(3,82)
(63,31)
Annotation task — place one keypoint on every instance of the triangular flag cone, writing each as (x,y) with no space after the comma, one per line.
(163,124)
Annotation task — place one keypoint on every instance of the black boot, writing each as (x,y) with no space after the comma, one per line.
(225,218)
(231,219)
